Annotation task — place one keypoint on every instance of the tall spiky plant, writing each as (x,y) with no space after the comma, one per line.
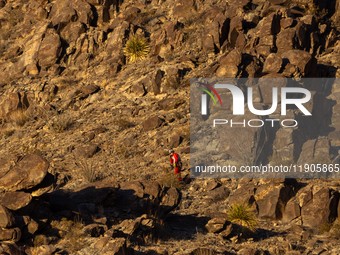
(136,48)
(242,214)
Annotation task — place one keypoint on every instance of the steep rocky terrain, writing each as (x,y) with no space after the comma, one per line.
(84,134)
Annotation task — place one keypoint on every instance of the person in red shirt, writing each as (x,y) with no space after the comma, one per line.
(176,163)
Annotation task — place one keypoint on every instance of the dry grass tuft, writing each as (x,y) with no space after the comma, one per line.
(86,169)
(170,179)
(19,117)
(59,123)
(71,231)
(123,123)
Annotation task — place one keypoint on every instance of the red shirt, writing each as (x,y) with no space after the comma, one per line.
(174,158)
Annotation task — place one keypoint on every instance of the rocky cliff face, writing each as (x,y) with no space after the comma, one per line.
(84,134)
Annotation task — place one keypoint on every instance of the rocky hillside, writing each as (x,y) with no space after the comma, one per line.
(84,133)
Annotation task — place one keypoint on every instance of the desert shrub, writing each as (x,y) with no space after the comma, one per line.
(121,151)
(29,149)
(19,117)
(136,48)
(169,178)
(86,169)
(312,8)
(123,123)
(243,215)
(59,123)
(67,82)
(72,231)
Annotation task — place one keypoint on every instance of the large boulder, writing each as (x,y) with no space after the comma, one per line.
(28,173)
(116,38)
(103,9)
(182,8)
(273,64)
(6,163)
(271,199)
(270,25)
(14,102)
(72,31)
(29,57)
(302,59)
(244,194)
(152,123)
(321,209)
(12,235)
(15,200)
(114,246)
(142,197)
(6,218)
(64,12)
(50,48)
(62,15)
(216,225)
(153,81)
(170,200)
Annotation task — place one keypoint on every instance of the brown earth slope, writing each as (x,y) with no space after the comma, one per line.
(84,134)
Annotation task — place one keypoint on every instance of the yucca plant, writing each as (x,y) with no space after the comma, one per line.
(136,48)
(242,214)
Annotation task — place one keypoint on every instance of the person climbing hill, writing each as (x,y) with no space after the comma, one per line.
(176,163)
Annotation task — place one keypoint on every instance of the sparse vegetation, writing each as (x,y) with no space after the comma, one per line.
(242,214)
(72,231)
(123,123)
(19,117)
(59,123)
(312,8)
(169,178)
(67,82)
(98,124)
(86,169)
(121,151)
(136,48)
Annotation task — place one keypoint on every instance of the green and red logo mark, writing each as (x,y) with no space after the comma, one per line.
(212,89)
